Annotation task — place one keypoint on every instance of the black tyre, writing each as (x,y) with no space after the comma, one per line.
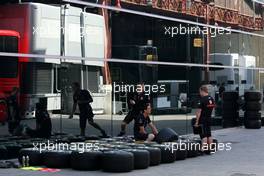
(230,118)
(3,140)
(166,135)
(118,143)
(262,121)
(216,122)
(253,124)
(88,161)
(154,153)
(230,96)
(35,157)
(3,153)
(230,114)
(26,144)
(57,159)
(252,115)
(13,150)
(105,149)
(230,106)
(141,158)
(230,123)
(149,143)
(120,147)
(181,153)
(167,155)
(193,149)
(252,96)
(134,145)
(252,106)
(117,161)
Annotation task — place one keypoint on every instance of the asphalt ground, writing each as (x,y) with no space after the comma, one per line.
(180,123)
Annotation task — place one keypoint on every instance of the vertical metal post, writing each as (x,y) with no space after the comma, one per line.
(207,48)
(188,69)
(62,53)
(82,30)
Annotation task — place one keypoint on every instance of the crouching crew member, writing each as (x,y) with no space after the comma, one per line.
(136,101)
(43,123)
(141,122)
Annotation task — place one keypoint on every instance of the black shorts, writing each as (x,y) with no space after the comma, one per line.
(141,137)
(132,114)
(84,117)
(206,130)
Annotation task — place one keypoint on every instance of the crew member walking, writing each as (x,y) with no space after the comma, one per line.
(82,98)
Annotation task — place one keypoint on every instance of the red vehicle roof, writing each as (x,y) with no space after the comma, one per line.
(9,33)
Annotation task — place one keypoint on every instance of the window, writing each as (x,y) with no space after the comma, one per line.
(8,65)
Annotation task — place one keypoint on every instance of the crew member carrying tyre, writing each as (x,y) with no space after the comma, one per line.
(203,117)
(136,101)
(141,123)
(82,98)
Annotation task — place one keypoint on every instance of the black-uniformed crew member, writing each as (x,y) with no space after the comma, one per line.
(13,110)
(141,122)
(82,98)
(43,123)
(221,90)
(136,101)
(203,115)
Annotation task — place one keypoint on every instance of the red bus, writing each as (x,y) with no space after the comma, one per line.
(9,67)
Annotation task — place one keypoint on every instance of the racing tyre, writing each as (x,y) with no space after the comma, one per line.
(13,150)
(253,124)
(167,155)
(166,135)
(117,161)
(253,106)
(57,159)
(252,96)
(230,123)
(154,154)
(230,96)
(181,153)
(35,157)
(252,115)
(87,161)
(230,106)
(3,153)
(141,158)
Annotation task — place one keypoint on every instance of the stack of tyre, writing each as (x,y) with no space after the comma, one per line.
(252,116)
(230,109)
(117,154)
